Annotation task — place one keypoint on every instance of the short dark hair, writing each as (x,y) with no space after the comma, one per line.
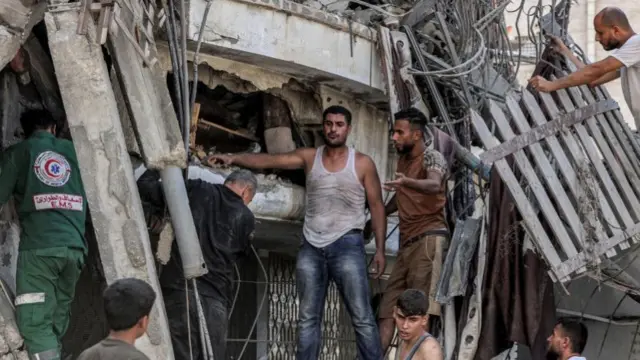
(337,109)
(613,16)
(412,302)
(576,332)
(36,119)
(126,301)
(414,116)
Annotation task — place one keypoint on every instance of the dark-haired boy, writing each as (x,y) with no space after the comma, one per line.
(43,176)
(127,304)
(410,315)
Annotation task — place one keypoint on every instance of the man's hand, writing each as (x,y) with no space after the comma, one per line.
(558,45)
(379,263)
(542,85)
(219,159)
(393,185)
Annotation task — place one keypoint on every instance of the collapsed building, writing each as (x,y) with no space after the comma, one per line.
(132,82)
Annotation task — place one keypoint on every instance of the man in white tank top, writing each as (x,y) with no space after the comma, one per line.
(613,32)
(339,182)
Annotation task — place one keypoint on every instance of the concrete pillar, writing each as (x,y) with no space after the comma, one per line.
(277,125)
(106,169)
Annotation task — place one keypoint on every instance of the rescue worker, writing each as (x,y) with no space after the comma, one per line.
(410,315)
(43,176)
(420,200)
(613,32)
(225,227)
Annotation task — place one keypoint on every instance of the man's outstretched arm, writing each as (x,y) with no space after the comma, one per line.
(590,74)
(292,160)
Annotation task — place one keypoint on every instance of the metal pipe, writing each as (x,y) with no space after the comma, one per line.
(194,87)
(596,318)
(175,193)
(204,330)
(174,57)
(185,80)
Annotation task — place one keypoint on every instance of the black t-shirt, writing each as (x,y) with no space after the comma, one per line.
(225,227)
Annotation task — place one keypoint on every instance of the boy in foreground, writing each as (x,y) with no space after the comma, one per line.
(410,315)
(127,304)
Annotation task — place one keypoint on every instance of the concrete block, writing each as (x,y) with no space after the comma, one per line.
(106,169)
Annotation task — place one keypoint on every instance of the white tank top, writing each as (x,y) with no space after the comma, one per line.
(334,202)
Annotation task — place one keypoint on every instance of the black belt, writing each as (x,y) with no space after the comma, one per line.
(442,232)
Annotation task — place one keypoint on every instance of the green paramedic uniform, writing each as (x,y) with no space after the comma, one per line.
(42,174)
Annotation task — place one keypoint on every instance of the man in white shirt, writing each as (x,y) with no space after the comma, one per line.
(568,340)
(613,32)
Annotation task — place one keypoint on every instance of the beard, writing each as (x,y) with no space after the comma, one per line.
(611,45)
(551,355)
(405,149)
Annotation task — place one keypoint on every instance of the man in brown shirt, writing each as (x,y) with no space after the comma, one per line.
(127,304)
(420,200)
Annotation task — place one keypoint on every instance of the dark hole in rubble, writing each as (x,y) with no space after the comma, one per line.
(232,122)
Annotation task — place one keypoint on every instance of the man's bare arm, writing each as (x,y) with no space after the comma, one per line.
(430,349)
(431,185)
(610,76)
(373,191)
(292,160)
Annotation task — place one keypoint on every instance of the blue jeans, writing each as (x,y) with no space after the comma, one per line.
(344,262)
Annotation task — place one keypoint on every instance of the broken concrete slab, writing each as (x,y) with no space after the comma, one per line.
(147,98)
(111,191)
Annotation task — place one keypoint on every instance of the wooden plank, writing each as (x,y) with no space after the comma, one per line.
(575,151)
(195,117)
(564,165)
(534,183)
(620,149)
(619,177)
(529,216)
(571,265)
(608,185)
(547,129)
(203,124)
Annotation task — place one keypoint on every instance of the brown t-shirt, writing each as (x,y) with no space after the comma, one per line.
(421,212)
(112,349)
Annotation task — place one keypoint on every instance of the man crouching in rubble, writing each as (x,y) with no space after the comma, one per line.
(339,181)
(42,174)
(420,200)
(410,315)
(225,228)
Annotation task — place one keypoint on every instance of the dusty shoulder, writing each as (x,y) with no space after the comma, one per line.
(363,159)
(431,349)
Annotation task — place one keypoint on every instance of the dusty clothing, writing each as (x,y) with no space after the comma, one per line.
(112,349)
(216,314)
(629,55)
(335,202)
(224,225)
(417,266)
(420,212)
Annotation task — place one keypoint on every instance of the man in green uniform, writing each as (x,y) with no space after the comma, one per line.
(42,174)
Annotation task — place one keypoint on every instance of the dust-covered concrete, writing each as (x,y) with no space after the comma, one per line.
(98,138)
